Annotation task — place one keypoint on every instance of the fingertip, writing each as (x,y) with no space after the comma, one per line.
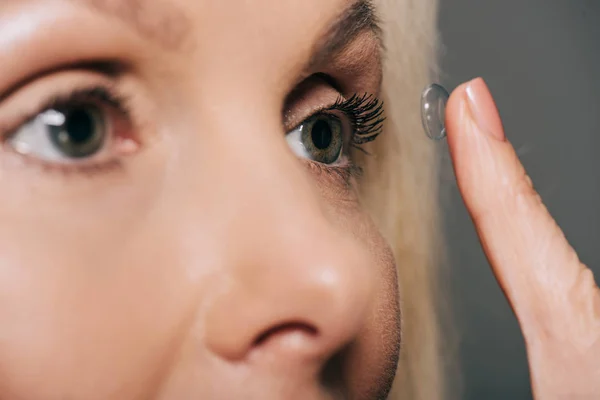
(471,111)
(480,157)
(483,109)
(455,112)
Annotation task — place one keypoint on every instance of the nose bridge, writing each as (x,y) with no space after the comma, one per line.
(290,272)
(264,189)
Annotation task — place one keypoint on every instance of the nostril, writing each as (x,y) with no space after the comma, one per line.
(286,331)
(332,373)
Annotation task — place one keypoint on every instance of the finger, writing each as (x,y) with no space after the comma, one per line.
(538,270)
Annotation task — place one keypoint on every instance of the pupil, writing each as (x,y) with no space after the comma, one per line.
(321,135)
(79,126)
(80,134)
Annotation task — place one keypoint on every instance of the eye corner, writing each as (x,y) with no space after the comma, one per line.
(84,128)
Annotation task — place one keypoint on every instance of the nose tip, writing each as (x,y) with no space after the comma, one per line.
(305,310)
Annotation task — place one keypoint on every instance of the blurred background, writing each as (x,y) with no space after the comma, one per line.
(541,60)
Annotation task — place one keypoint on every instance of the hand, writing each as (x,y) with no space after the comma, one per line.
(553,295)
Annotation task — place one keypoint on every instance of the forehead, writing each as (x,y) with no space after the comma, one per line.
(174,21)
(259,28)
(248,40)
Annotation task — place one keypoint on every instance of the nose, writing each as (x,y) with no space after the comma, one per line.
(301,295)
(297,287)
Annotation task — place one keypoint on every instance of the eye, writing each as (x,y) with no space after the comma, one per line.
(63,134)
(320,138)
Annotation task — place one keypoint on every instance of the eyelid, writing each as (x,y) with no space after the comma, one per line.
(364,113)
(312,112)
(65,91)
(104,98)
(29,36)
(125,95)
(308,98)
(27,141)
(30,99)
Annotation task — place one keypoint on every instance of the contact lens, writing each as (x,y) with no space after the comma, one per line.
(433,111)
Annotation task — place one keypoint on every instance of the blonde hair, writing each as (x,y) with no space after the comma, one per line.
(401,192)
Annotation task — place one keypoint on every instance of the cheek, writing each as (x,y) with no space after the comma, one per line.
(376,352)
(382,334)
(111,306)
(80,297)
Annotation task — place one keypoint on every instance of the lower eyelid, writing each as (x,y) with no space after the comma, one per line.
(85,168)
(119,141)
(342,173)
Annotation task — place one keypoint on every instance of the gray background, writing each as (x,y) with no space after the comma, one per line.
(541,60)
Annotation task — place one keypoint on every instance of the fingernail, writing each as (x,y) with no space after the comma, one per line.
(484,110)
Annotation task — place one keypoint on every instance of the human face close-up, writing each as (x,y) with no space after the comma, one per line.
(181,213)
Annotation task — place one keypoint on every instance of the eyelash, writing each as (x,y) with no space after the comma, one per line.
(365,112)
(366,115)
(95,94)
(103,97)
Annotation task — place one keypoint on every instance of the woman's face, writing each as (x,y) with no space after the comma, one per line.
(179,215)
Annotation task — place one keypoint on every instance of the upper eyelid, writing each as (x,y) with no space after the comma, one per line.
(58,80)
(111,70)
(57,99)
(121,136)
(292,120)
(343,105)
(127,93)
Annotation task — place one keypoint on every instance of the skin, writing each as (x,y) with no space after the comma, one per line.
(552,293)
(207,259)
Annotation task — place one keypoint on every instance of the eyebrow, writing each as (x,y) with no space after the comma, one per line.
(170,27)
(357,18)
(160,22)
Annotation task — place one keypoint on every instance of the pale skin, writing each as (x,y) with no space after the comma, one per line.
(553,295)
(203,251)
